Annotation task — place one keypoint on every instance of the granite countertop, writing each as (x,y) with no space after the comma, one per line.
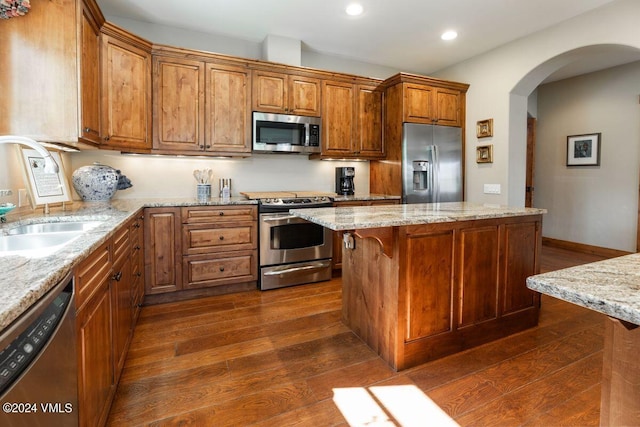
(26,278)
(359,217)
(611,286)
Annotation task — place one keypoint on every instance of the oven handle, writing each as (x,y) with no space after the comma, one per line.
(315,266)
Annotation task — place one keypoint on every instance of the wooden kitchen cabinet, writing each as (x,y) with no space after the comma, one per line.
(94,337)
(219,246)
(126,91)
(52,93)
(162,250)
(90,23)
(105,321)
(352,120)
(419,292)
(137,265)
(282,93)
(432,105)
(201,107)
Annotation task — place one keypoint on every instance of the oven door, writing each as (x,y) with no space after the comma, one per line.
(285,239)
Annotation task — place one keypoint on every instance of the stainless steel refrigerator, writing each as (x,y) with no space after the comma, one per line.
(431,163)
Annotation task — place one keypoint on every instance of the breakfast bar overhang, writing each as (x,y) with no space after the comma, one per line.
(422,281)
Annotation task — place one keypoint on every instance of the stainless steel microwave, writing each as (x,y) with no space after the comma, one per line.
(281,133)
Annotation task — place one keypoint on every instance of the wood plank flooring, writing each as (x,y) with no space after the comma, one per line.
(283,358)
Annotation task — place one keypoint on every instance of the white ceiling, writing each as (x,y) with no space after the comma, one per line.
(402,34)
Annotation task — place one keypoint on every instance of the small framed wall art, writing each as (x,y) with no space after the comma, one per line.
(484,128)
(44,187)
(583,150)
(484,154)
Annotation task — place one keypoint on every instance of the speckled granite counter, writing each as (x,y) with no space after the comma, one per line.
(360,217)
(611,287)
(27,278)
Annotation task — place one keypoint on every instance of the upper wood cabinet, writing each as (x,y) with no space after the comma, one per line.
(126,91)
(89,75)
(286,93)
(351,120)
(432,105)
(50,51)
(201,107)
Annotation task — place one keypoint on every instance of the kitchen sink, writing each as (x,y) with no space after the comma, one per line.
(38,240)
(54,227)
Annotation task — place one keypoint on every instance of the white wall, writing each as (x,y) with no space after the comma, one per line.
(501,81)
(595,205)
(172,176)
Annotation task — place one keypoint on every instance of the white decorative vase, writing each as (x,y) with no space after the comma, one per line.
(96,182)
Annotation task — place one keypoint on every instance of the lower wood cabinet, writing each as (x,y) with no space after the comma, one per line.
(200,248)
(106,304)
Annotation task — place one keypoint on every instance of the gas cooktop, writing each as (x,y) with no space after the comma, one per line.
(286,200)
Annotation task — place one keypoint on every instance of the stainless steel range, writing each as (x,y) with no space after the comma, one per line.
(293,251)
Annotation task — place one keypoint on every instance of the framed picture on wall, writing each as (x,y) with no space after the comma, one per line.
(583,150)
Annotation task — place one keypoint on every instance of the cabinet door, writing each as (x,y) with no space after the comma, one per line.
(270,92)
(228,109)
(520,252)
(448,107)
(121,310)
(304,96)
(430,278)
(162,250)
(369,134)
(338,121)
(95,370)
(89,77)
(126,95)
(418,103)
(178,88)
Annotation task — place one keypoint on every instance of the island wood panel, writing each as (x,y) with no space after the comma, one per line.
(429,279)
(522,242)
(370,302)
(441,284)
(478,287)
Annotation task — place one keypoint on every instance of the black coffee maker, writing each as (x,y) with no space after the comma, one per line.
(344,181)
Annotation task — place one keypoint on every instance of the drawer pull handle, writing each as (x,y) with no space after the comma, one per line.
(221,237)
(221,213)
(137,248)
(117,276)
(221,268)
(139,274)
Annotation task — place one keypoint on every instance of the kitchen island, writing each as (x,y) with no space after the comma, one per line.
(422,281)
(611,287)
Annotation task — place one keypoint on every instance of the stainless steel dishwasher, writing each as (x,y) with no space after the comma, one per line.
(38,369)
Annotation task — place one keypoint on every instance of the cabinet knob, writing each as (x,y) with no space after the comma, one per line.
(117,276)
(221,237)
(221,269)
(89,130)
(221,214)
(136,225)
(137,248)
(207,146)
(139,274)
(202,147)
(107,138)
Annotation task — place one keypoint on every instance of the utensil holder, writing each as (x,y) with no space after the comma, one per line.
(203,193)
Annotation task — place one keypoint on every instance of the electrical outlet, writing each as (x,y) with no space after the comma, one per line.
(492,189)
(23,197)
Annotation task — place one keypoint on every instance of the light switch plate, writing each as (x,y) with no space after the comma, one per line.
(492,189)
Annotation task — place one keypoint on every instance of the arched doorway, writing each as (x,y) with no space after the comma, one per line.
(591,58)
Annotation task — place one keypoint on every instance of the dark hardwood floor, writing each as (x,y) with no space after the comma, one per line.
(283,357)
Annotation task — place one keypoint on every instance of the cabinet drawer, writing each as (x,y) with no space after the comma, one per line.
(121,246)
(91,273)
(202,239)
(207,270)
(195,215)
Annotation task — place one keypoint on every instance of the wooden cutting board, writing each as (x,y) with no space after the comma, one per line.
(252,195)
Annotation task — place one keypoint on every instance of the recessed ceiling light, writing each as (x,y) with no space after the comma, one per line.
(354,9)
(449,35)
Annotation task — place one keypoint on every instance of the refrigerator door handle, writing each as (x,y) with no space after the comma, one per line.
(434,175)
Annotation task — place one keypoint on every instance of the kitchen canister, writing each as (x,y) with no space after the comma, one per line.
(98,182)
(203,192)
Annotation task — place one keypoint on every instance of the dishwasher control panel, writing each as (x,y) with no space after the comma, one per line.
(17,356)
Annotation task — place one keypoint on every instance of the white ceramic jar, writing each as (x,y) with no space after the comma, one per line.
(96,182)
